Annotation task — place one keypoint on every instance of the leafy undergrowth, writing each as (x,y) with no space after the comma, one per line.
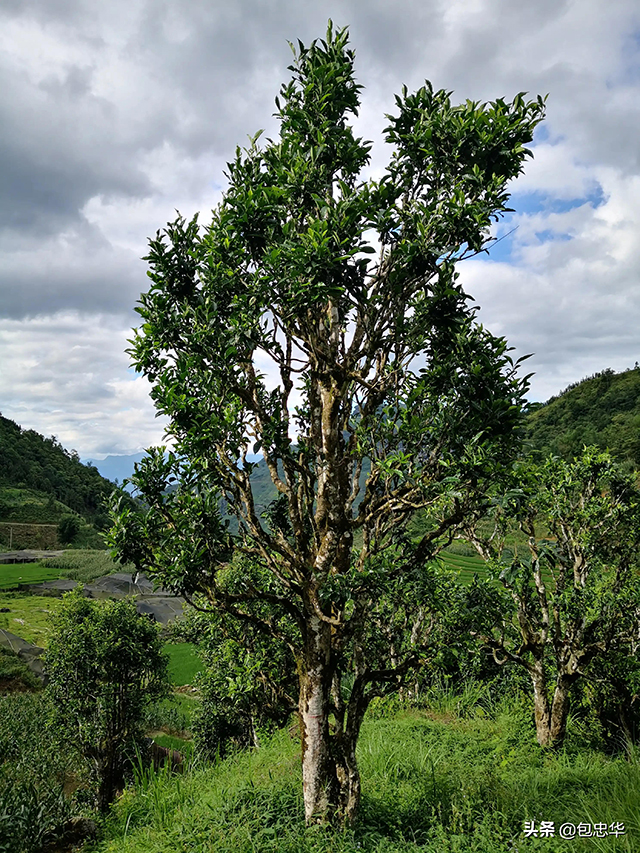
(33,772)
(464,786)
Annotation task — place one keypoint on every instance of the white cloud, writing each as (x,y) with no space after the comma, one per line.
(67,375)
(575,302)
(116,114)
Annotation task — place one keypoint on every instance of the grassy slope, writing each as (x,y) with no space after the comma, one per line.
(11,576)
(29,616)
(431,785)
(29,506)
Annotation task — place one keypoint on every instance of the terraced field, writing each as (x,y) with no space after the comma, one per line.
(465,567)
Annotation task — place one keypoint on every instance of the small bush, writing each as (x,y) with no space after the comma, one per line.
(105,664)
(68,529)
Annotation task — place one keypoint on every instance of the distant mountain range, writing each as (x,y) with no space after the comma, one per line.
(115,468)
(119,468)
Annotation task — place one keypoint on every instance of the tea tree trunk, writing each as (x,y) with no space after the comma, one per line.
(550,716)
(330,776)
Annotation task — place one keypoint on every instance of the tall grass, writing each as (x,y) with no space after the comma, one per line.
(465,784)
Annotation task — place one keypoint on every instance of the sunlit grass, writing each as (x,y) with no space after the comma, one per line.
(184,662)
(12,575)
(462,786)
(28,616)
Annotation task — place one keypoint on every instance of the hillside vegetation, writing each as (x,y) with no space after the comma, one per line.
(40,480)
(603,410)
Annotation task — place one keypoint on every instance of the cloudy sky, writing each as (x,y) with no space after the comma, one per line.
(113,115)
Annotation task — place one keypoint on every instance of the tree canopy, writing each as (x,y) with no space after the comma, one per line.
(318,320)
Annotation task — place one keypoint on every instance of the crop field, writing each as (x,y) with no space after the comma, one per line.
(465,567)
(11,576)
(184,663)
(83,566)
(86,565)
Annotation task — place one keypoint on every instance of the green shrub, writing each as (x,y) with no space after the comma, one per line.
(68,529)
(104,663)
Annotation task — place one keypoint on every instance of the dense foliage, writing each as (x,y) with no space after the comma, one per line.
(602,410)
(31,461)
(345,291)
(247,686)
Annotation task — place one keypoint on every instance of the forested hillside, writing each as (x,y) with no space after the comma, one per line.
(28,460)
(603,410)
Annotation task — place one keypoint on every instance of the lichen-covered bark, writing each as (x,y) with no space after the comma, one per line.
(550,717)
(318,780)
(330,776)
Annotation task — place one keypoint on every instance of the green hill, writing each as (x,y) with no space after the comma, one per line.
(40,481)
(603,410)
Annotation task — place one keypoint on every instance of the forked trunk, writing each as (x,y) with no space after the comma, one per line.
(330,777)
(550,717)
